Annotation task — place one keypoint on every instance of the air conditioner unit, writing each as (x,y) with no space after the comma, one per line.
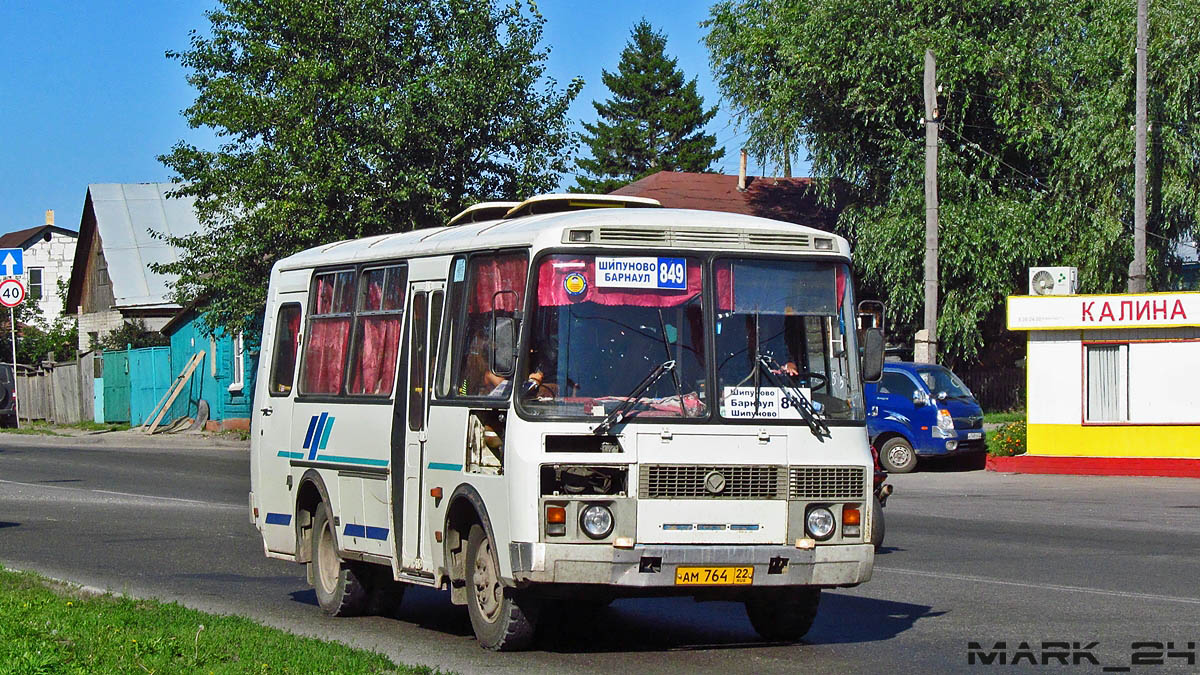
(1053,280)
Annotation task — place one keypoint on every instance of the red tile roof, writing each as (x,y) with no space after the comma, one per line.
(792,200)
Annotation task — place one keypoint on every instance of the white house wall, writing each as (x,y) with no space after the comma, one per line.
(55,257)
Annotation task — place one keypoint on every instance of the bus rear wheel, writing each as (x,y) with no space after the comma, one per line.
(339,586)
(783,615)
(504,619)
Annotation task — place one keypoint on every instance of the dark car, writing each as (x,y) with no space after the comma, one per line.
(921,410)
(8,396)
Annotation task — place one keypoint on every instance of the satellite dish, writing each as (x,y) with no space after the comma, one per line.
(1043,283)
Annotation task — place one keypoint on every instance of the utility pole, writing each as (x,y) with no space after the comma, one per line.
(1137,269)
(926,340)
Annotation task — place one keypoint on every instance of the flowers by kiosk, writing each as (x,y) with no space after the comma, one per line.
(1113,383)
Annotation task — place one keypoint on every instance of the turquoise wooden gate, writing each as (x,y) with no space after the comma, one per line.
(116,386)
(149,379)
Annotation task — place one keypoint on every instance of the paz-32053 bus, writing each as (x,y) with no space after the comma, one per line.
(551,401)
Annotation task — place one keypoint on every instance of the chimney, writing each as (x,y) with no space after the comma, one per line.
(49,216)
(742,172)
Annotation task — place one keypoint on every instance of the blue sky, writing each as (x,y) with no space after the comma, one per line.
(89,97)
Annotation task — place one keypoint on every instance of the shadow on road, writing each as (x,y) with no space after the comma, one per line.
(976,461)
(4,524)
(851,619)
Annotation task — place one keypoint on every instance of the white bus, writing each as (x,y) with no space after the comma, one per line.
(552,401)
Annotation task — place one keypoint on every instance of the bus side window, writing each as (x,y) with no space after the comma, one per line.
(493,282)
(331,312)
(283,360)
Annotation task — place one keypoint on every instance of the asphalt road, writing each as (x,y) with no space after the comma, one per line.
(969,556)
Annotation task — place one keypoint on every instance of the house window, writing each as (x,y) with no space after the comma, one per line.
(35,283)
(239,372)
(1107,383)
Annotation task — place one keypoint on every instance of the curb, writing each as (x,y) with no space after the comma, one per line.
(1097,466)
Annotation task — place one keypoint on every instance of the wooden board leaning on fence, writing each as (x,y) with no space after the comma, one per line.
(177,386)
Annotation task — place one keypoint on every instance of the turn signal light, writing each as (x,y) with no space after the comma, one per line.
(556,520)
(851,515)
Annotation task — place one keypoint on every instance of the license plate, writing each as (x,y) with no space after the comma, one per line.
(714,576)
(974,436)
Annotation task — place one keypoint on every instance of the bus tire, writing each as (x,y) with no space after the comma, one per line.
(783,615)
(339,586)
(877,526)
(897,455)
(503,618)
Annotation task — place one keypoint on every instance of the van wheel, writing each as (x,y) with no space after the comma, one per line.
(339,586)
(897,456)
(504,619)
(784,615)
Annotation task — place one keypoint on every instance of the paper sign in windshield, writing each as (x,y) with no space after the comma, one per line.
(738,402)
(657,273)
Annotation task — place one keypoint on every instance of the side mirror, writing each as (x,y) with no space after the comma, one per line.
(503,360)
(919,399)
(941,396)
(872,359)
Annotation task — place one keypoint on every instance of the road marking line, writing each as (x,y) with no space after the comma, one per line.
(123,494)
(1048,587)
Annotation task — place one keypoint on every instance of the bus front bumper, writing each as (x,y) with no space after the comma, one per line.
(653,565)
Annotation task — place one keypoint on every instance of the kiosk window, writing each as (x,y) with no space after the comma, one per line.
(283,360)
(1107,383)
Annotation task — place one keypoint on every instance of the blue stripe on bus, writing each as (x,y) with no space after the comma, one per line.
(355,530)
(279,519)
(312,445)
(325,435)
(445,467)
(353,460)
(312,425)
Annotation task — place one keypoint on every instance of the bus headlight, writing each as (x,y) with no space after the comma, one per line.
(819,523)
(596,521)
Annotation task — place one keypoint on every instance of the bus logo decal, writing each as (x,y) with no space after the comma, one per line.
(319,428)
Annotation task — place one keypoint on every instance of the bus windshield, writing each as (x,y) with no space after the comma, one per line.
(781,334)
(603,325)
(629,332)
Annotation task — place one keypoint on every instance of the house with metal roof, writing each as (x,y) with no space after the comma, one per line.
(111,279)
(49,251)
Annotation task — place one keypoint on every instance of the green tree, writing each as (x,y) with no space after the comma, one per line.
(1036,152)
(344,120)
(653,122)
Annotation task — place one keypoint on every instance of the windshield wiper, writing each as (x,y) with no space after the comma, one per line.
(618,413)
(815,420)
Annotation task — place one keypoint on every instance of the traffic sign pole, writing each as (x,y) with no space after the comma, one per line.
(12,325)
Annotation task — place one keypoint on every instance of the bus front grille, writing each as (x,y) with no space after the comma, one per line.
(672,481)
(827,482)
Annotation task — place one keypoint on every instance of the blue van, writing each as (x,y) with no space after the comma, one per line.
(921,410)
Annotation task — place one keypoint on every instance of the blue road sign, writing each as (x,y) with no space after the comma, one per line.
(12,261)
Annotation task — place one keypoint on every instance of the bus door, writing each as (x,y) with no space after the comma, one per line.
(273,424)
(408,485)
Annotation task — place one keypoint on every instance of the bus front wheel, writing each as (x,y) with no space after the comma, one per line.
(783,615)
(340,590)
(503,618)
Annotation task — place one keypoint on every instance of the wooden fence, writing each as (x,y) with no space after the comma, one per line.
(57,392)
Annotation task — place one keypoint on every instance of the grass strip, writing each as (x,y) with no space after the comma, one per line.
(1004,417)
(51,627)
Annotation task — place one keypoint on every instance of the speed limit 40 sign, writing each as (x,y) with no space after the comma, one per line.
(12,292)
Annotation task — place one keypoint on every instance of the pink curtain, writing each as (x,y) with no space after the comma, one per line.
(325,355)
(553,272)
(375,370)
(498,273)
